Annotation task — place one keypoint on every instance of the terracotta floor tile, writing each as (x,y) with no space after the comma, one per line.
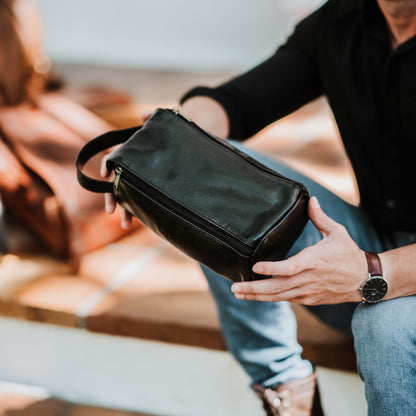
(169,301)
(41,290)
(170,272)
(81,410)
(103,264)
(55,299)
(12,404)
(193,309)
(141,238)
(17,272)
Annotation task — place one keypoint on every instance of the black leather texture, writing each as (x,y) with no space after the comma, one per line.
(215,203)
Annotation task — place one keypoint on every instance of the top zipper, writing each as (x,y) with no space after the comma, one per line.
(178,112)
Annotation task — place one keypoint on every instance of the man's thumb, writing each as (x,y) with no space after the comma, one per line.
(146,114)
(322,222)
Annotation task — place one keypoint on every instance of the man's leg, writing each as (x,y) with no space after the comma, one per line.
(385,344)
(262,335)
(353,218)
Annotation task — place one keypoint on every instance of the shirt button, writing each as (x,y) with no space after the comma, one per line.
(390,203)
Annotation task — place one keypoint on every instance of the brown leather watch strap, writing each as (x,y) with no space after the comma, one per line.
(374,264)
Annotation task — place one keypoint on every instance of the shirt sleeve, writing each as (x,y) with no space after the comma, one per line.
(273,89)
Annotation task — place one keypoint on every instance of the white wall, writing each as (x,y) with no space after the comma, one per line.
(178,34)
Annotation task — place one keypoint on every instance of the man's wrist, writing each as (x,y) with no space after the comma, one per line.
(208,114)
(375,288)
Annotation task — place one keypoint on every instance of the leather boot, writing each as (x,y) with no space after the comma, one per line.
(296,398)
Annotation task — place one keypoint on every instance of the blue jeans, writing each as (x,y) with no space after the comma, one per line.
(262,335)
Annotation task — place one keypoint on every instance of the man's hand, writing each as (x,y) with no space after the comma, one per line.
(110,201)
(328,272)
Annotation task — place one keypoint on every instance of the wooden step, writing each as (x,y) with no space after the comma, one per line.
(139,287)
(28,401)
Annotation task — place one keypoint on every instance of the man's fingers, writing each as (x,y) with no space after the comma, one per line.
(126,219)
(272,286)
(104,172)
(110,203)
(110,207)
(109,199)
(291,295)
(293,265)
(146,114)
(287,267)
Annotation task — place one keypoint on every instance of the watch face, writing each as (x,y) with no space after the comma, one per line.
(374,289)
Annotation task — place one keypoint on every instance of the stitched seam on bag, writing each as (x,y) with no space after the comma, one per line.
(183,220)
(227,230)
(150,183)
(215,223)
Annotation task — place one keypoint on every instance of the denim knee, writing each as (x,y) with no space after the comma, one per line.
(385,345)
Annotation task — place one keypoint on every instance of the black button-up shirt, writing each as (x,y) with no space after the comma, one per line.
(343,50)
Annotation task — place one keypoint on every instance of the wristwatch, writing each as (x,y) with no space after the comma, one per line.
(375,288)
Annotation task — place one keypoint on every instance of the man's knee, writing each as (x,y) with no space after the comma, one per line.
(384,333)
(385,344)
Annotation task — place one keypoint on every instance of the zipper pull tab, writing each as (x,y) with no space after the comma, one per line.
(118,171)
(178,112)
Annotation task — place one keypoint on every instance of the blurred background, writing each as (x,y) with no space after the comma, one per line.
(97,321)
(180,34)
(164,47)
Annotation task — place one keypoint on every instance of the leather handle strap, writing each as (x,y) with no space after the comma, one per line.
(374,264)
(92,148)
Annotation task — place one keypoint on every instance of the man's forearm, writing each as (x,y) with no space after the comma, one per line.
(208,114)
(399,267)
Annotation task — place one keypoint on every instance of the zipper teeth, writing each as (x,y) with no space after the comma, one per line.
(203,223)
(175,111)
